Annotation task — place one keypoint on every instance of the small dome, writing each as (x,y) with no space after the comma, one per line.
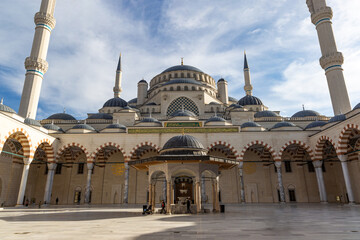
(283,124)
(183,145)
(250,124)
(33,122)
(315,124)
(232,99)
(101,116)
(150,119)
(115,102)
(61,116)
(133,101)
(83,126)
(221,80)
(151,104)
(214,103)
(250,100)
(234,105)
(143,81)
(53,127)
(182,68)
(265,114)
(127,107)
(183,113)
(357,106)
(116,125)
(4,108)
(215,119)
(305,113)
(337,118)
(178,81)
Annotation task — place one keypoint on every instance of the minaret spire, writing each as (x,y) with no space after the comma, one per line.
(117,88)
(248,87)
(331,60)
(36,65)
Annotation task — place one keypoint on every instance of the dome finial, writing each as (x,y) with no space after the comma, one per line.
(64,110)
(2,101)
(303,107)
(182,61)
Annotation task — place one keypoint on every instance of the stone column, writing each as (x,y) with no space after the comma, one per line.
(203,191)
(49,182)
(90,166)
(24,177)
(320,179)
(242,185)
(344,165)
(126,183)
(217,194)
(150,193)
(168,198)
(213,194)
(153,197)
(280,183)
(198,196)
(165,191)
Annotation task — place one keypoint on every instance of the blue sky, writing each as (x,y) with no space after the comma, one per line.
(280,41)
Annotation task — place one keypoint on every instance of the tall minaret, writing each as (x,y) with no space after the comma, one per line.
(36,65)
(331,59)
(248,87)
(117,88)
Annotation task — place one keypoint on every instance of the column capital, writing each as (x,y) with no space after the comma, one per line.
(317,163)
(241,165)
(277,164)
(343,158)
(51,166)
(45,20)
(332,61)
(27,161)
(321,15)
(90,165)
(36,65)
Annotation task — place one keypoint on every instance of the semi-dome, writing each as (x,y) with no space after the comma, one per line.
(305,113)
(101,116)
(33,122)
(357,106)
(182,68)
(315,124)
(4,108)
(183,113)
(183,145)
(250,100)
(53,127)
(283,124)
(337,118)
(116,126)
(250,124)
(180,80)
(215,119)
(266,114)
(61,116)
(83,126)
(232,99)
(115,102)
(133,101)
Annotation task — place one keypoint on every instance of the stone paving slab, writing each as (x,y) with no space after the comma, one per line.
(246,221)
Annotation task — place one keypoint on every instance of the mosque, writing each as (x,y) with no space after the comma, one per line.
(183,137)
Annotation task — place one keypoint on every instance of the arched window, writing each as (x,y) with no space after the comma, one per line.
(182,102)
(186,88)
(165,89)
(178,88)
(171,89)
(188,75)
(182,75)
(176,75)
(193,88)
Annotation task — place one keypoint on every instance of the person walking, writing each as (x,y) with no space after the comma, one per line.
(57,201)
(163,207)
(188,205)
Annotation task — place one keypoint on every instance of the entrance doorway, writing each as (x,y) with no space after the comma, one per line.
(183,189)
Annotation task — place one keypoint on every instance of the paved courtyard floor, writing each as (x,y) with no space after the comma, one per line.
(247,221)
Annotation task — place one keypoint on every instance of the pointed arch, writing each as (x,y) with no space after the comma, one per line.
(23,138)
(344,138)
(226,145)
(46,145)
(108,144)
(301,144)
(261,143)
(73,144)
(319,147)
(154,147)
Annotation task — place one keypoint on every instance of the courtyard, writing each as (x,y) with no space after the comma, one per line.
(246,221)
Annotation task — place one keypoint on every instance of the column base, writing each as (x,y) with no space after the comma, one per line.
(20,206)
(351,203)
(324,202)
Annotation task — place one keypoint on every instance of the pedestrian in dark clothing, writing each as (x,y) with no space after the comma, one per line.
(163,207)
(188,204)
(57,201)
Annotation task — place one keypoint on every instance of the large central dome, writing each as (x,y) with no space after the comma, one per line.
(182,68)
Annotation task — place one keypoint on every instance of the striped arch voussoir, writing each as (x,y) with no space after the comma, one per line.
(132,152)
(344,137)
(47,148)
(319,146)
(23,137)
(62,149)
(225,144)
(265,145)
(112,144)
(301,144)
